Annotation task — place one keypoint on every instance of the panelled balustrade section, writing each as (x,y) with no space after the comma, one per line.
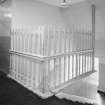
(47,57)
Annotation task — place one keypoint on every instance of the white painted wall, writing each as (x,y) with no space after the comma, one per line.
(33,13)
(5,24)
(101,86)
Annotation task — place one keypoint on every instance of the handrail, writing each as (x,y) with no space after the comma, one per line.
(28,55)
(41,58)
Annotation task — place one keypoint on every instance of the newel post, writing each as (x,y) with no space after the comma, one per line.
(93,34)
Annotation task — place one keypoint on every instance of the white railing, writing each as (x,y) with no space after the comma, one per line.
(50,56)
(51,40)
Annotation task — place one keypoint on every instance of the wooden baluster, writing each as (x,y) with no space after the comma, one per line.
(88,38)
(68,67)
(39,39)
(81,43)
(61,33)
(79,64)
(64,68)
(48,75)
(55,40)
(68,43)
(69,37)
(41,44)
(85,63)
(59,41)
(34,43)
(20,42)
(14,71)
(82,63)
(31,36)
(72,46)
(55,72)
(17,64)
(15,42)
(49,41)
(29,42)
(12,40)
(13,65)
(64,40)
(50,35)
(76,68)
(43,81)
(20,60)
(46,42)
(23,70)
(36,46)
(28,72)
(23,39)
(38,74)
(26,42)
(91,66)
(32,75)
(17,39)
(40,32)
(88,63)
(72,66)
(59,70)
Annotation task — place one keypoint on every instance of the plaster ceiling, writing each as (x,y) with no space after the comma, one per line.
(58,2)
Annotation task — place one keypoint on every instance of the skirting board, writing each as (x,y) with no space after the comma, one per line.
(62,95)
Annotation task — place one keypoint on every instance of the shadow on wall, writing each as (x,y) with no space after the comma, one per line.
(4,53)
(5,25)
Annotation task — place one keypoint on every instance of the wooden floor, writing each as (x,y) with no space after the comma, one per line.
(11,93)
